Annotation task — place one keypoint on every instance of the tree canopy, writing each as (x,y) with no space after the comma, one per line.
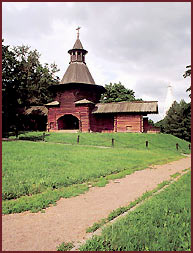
(116,93)
(177,121)
(25,81)
(188,73)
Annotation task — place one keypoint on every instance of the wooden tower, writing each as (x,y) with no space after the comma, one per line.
(75,95)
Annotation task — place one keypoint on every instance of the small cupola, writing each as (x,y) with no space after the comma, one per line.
(77,71)
(77,54)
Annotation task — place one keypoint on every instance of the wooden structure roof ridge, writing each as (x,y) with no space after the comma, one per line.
(133,102)
(125,107)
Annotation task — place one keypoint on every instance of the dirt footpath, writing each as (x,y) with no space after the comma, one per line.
(69,219)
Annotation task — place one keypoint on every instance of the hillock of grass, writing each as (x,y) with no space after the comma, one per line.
(30,169)
(127,140)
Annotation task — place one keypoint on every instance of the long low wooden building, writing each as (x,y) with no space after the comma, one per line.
(76,105)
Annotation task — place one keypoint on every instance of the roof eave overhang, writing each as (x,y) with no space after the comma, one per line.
(142,113)
(75,85)
(78,49)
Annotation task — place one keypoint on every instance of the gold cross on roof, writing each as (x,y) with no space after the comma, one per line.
(78,28)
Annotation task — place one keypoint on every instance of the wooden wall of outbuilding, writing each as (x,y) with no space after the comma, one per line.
(117,122)
(103,122)
(97,123)
(128,122)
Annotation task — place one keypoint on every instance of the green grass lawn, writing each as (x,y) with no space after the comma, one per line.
(162,223)
(30,169)
(128,140)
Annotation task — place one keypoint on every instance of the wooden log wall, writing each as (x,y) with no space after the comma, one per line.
(103,123)
(84,112)
(67,99)
(128,123)
(120,122)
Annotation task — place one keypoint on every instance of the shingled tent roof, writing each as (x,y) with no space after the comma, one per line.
(125,107)
(77,72)
(78,44)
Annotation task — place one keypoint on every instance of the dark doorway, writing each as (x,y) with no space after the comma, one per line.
(68,121)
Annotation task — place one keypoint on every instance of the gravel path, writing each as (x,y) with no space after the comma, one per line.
(69,219)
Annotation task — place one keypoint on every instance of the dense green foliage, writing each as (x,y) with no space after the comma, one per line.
(188,73)
(177,121)
(116,93)
(162,223)
(25,82)
(32,169)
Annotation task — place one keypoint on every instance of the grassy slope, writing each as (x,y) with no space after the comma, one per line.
(160,224)
(30,168)
(129,140)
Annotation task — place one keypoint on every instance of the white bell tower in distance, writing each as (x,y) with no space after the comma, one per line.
(169,100)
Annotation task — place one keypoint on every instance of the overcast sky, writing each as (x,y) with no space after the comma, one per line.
(145,46)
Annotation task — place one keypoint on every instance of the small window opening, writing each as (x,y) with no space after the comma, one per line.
(128,128)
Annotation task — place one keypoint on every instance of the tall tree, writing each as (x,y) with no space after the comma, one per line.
(9,86)
(33,78)
(116,93)
(25,81)
(177,121)
(188,73)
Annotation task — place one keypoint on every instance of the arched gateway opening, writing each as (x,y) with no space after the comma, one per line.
(68,122)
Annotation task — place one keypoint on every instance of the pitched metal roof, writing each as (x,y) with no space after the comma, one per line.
(78,44)
(83,101)
(77,72)
(124,107)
